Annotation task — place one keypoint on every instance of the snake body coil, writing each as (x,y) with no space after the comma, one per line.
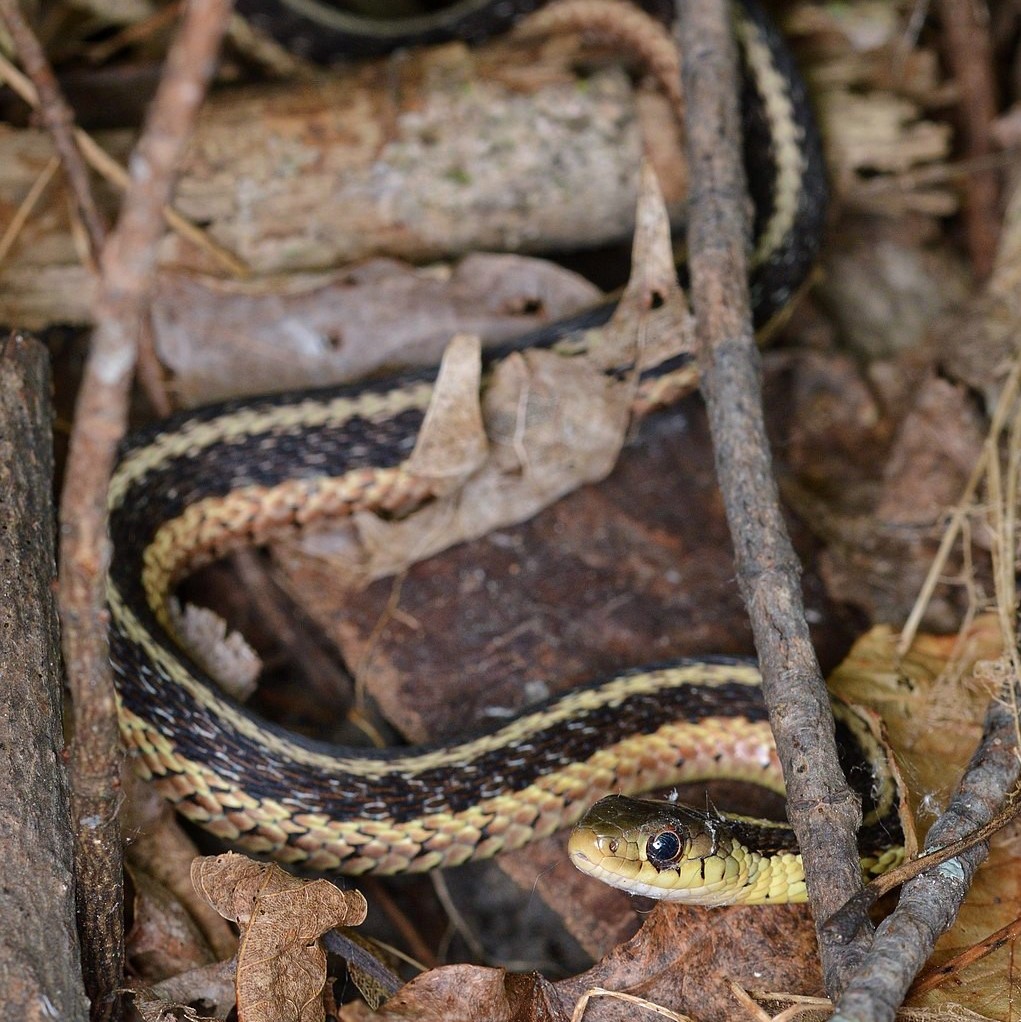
(190,489)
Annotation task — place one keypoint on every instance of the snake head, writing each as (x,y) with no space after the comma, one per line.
(663,850)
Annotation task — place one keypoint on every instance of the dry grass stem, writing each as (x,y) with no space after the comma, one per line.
(26,208)
(650,1006)
(109,169)
(1001,414)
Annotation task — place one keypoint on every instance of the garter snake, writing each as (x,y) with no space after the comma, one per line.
(191,488)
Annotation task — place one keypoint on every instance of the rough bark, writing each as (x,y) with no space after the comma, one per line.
(445,152)
(40,974)
(823,810)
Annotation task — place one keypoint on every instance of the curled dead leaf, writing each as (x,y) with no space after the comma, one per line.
(452,442)
(281,967)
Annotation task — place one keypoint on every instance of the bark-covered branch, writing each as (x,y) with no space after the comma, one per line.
(127,267)
(822,808)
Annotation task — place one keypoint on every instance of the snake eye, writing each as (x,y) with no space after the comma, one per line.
(663,849)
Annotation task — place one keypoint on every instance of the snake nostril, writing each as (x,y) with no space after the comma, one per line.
(614,844)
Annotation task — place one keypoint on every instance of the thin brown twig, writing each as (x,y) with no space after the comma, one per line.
(933,978)
(151,378)
(968,50)
(59,121)
(137,31)
(823,810)
(653,1009)
(126,273)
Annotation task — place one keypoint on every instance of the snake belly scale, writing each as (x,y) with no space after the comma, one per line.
(192,488)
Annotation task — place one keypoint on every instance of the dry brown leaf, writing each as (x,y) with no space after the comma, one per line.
(885,134)
(469,993)
(930,702)
(225,339)
(164,939)
(211,986)
(654,271)
(685,959)
(872,466)
(874,90)
(154,1009)
(936,448)
(226,655)
(989,321)
(452,442)
(281,967)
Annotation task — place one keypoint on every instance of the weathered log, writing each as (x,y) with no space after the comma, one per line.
(444,152)
(40,973)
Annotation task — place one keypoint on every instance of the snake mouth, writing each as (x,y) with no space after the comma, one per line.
(589,852)
(583,850)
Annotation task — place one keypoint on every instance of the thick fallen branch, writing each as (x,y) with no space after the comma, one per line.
(126,280)
(39,960)
(822,808)
(442,153)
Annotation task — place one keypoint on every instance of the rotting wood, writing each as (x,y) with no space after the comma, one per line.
(39,959)
(445,152)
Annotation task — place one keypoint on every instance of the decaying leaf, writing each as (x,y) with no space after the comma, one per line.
(154,1009)
(468,993)
(281,967)
(164,939)
(225,338)
(452,442)
(211,987)
(225,655)
(549,423)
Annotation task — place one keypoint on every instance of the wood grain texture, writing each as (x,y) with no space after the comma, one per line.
(39,966)
(446,152)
